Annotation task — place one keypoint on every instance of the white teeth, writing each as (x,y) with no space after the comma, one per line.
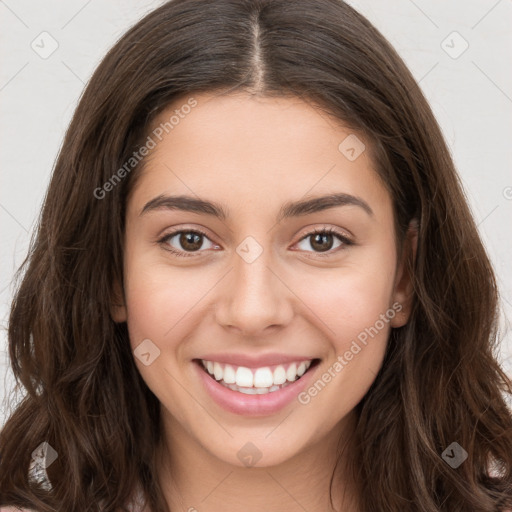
(217,371)
(263,378)
(244,377)
(291,373)
(301,369)
(253,391)
(279,375)
(248,391)
(229,375)
(257,381)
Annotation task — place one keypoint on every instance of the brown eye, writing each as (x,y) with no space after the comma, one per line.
(324,241)
(190,241)
(185,243)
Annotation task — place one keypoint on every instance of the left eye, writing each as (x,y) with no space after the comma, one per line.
(191,241)
(324,240)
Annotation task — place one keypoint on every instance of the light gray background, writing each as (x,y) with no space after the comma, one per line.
(471,96)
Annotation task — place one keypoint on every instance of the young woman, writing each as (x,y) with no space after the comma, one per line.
(256,284)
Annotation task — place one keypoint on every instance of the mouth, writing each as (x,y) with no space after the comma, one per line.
(256,381)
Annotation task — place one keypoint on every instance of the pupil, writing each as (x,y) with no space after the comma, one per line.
(319,239)
(190,241)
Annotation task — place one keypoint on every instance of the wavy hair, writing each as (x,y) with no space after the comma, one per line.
(440,381)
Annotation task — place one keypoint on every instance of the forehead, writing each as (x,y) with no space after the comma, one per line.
(246,150)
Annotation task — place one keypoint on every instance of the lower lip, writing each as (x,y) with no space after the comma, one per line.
(252,405)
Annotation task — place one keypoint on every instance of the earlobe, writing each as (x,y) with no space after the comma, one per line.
(118,306)
(404,290)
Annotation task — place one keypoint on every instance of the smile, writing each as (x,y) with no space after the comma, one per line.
(254,388)
(257,381)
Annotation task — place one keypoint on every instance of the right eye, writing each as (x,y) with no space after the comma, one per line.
(190,240)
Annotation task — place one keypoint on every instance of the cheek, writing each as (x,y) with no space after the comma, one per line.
(358,325)
(162,306)
(350,299)
(161,300)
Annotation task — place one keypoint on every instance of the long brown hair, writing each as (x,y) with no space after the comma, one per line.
(440,381)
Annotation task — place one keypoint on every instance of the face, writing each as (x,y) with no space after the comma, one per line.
(261,275)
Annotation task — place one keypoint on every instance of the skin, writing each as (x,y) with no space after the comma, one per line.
(253,155)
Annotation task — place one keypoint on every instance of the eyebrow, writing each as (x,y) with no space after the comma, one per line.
(290,209)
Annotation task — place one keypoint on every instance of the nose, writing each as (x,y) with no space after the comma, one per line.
(254,299)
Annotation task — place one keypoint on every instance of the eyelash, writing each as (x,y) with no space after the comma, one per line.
(323,231)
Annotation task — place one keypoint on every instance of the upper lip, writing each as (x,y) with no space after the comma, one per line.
(255,361)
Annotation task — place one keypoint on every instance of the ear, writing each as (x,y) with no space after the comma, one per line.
(403,290)
(118,306)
